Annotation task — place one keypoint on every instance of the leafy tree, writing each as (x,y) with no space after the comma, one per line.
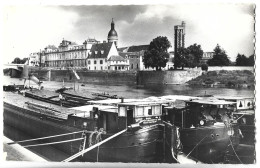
(219,58)
(17,60)
(182,58)
(157,56)
(241,60)
(251,60)
(197,52)
(24,60)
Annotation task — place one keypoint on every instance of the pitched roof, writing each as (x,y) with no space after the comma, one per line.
(124,54)
(116,58)
(137,48)
(121,49)
(100,50)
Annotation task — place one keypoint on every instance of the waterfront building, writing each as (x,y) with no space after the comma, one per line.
(135,56)
(179,36)
(112,34)
(34,59)
(68,54)
(104,56)
(206,56)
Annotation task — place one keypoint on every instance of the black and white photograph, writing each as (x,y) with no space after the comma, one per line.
(100,83)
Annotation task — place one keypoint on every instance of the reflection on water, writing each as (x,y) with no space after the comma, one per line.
(127,91)
(131,91)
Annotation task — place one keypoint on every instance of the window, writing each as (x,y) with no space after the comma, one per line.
(101,61)
(136,66)
(122,111)
(132,66)
(89,62)
(101,68)
(95,62)
(139,111)
(95,68)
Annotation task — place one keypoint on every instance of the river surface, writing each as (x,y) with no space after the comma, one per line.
(126,91)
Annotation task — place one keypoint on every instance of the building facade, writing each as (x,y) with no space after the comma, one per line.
(135,56)
(34,59)
(179,36)
(206,56)
(68,54)
(104,56)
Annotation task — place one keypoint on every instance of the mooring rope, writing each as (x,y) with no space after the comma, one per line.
(51,143)
(94,146)
(28,140)
(235,151)
(196,146)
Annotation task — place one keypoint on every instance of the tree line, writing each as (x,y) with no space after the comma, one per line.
(18,60)
(157,56)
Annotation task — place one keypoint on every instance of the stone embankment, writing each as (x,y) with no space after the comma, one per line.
(225,78)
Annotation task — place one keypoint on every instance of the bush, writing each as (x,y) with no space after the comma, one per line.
(204,67)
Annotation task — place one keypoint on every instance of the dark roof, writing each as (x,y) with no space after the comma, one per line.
(124,54)
(121,49)
(116,58)
(95,51)
(137,48)
(112,33)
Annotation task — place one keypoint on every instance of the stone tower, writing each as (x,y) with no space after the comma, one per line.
(179,36)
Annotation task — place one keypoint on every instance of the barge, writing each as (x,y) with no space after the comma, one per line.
(155,129)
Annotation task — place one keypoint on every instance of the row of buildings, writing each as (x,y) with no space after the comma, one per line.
(96,55)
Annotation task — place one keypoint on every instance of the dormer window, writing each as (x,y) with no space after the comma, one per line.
(96,52)
(102,51)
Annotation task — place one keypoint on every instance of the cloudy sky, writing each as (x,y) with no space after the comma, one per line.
(29,28)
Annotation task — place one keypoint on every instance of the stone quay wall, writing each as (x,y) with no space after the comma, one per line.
(126,77)
(110,77)
(167,77)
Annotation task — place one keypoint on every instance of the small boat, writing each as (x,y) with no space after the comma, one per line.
(204,128)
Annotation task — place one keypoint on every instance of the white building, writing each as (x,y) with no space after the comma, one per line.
(68,54)
(104,56)
(34,59)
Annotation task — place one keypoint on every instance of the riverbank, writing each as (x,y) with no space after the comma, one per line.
(224,78)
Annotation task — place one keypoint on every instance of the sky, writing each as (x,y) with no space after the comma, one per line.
(30,28)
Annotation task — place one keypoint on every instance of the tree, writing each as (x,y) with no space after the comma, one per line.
(17,60)
(197,52)
(157,55)
(251,60)
(24,60)
(219,58)
(241,60)
(182,58)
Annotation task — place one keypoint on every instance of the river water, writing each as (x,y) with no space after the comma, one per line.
(126,91)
